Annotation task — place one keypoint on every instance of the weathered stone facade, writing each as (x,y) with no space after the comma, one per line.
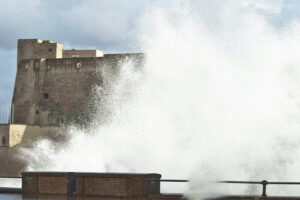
(74,53)
(16,136)
(53,85)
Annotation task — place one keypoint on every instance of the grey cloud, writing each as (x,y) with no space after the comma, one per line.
(108,25)
(101,24)
(104,24)
(98,23)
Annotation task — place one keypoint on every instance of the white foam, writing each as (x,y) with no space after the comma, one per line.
(217,103)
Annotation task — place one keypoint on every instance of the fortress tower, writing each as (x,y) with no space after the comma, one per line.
(53,85)
(35,48)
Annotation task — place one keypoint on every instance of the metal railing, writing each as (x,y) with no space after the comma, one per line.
(6,113)
(10,176)
(264,183)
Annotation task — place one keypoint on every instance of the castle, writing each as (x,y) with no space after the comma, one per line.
(54,87)
(53,84)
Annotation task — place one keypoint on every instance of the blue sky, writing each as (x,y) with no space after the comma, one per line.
(111,26)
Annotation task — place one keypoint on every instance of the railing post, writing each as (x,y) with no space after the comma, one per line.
(12,112)
(264,184)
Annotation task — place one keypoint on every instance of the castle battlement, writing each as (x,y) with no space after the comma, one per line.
(36,48)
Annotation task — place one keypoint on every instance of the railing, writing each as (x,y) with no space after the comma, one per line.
(5,113)
(10,176)
(264,183)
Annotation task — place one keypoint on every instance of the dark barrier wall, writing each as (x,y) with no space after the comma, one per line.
(106,185)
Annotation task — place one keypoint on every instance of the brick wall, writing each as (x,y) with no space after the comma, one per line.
(92,185)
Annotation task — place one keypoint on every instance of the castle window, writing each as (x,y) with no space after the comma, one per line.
(46,95)
(37,112)
(50,49)
(3,141)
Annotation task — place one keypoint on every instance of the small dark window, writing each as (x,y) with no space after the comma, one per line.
(50,49)
(37,112)
(46,95)
(3,141)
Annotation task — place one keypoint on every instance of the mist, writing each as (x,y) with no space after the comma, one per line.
(211,103)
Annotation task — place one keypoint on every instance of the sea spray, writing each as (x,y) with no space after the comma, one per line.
(212,102)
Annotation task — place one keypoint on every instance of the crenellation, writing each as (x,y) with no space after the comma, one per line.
(34,49)
(75,53)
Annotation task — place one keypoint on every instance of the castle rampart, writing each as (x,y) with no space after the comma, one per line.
(50,90)
(82,53)
(53,87)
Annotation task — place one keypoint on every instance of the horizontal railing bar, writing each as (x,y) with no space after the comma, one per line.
(173,180)
(240,182)
(261,182)
(284,183)
(235,182)
(10,177)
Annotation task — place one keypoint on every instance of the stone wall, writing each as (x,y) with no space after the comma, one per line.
(4,135)
(53,91)
(18,136)
(82,53)
(35,48)
(55,86)
(24,135)
(11,135)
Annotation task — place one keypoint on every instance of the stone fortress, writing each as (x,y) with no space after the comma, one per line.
(52,84)
(55,87)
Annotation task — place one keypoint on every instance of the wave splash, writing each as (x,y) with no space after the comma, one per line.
(217,99)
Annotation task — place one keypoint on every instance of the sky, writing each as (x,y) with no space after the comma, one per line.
(111,26)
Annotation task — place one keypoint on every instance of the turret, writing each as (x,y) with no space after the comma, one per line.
(35,49)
